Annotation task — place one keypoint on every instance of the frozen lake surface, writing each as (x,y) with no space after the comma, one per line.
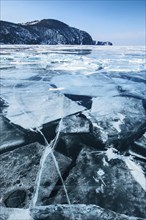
(73,132)
(33,79)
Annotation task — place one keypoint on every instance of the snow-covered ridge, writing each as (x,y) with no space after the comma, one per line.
(31,22)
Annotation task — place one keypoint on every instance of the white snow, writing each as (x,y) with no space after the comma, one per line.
(135,169)
(31,22)
(136,172)
(100,172)
(56,89)
(105,163)
(111,154)
(100,189)
(119,122)
(20,214)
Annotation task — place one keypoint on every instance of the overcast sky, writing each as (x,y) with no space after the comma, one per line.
(120,21)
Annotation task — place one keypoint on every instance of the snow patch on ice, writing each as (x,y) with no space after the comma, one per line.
(96,125)
(56,89)
(135,169)
(23,214)
(136,172)
(100,189)
(105,163)
(100,172)
(111,154)
(117,124)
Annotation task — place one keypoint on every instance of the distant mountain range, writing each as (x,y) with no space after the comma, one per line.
(46,31)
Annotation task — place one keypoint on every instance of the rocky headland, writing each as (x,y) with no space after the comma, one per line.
(46,31)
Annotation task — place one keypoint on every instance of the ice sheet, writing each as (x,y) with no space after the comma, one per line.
(34,79)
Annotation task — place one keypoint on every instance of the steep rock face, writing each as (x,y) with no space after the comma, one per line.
(16,34)
(47,31)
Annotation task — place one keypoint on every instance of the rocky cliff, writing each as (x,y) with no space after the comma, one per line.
(46,31)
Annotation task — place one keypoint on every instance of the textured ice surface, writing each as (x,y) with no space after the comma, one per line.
(15,214)
(136,172)
(34,105)
(34,79)
(135,169)
(40,84)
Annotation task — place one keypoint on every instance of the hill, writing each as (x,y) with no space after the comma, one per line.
(46,31)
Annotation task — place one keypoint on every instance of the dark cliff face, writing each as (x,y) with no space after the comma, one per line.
(46,31)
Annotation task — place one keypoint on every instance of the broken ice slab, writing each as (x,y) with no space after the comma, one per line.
(75,130)
(75,124)
(32,104)
(78,212)
(116,119)
(107,179)
(62,212)
(130,84)
(10,135)
(15,214)
(52,167)
(3,105)
(18,172)
(102,84)
(138,148)
(92,85)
